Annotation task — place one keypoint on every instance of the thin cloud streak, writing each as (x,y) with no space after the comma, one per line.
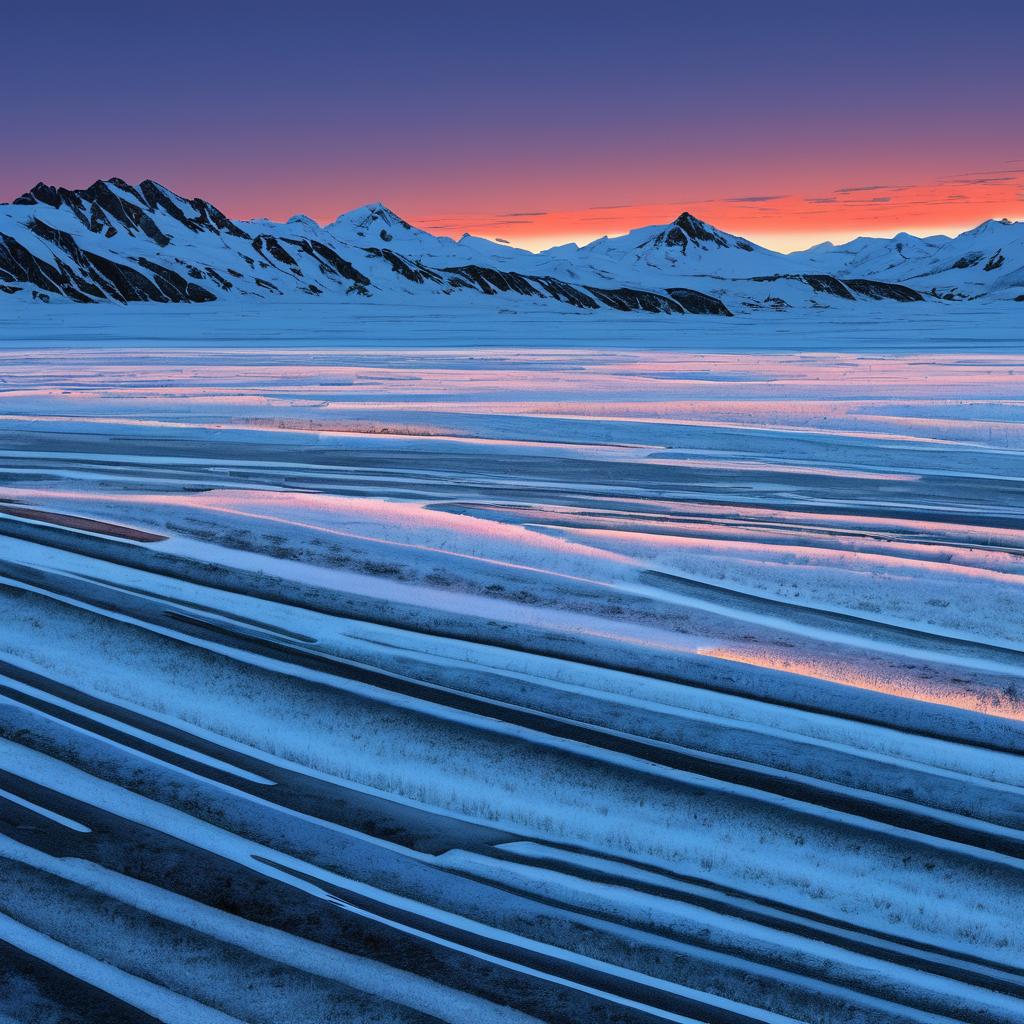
(778,220)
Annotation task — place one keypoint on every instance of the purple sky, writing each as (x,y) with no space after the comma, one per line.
(532,121)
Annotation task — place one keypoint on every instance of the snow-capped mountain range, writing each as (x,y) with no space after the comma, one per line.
(125,243)
(986,261)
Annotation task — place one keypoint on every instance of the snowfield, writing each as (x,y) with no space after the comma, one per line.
(391,665)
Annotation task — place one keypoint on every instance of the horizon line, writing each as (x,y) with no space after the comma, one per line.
(769,233)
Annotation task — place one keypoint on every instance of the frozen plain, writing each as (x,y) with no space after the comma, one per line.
(367,665)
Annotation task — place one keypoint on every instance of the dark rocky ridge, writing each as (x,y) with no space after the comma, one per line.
(883,290)
(848,288)
(697,302)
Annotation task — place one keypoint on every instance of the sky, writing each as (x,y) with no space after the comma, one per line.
(537,123)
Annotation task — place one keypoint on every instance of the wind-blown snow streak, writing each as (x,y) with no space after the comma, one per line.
(418,684)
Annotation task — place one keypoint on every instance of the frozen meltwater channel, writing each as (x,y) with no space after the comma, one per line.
(345,681)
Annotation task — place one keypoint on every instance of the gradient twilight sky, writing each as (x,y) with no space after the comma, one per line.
(534,122)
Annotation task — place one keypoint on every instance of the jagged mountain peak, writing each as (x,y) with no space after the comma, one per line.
(40,192)
(371,217)
(687,229)
(150,187)
(696,228)
(112,205)
(684,245)
(55,195)
(381,212)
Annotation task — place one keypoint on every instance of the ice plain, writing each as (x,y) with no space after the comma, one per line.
(410,665)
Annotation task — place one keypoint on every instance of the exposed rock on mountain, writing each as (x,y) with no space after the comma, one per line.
(687,245)
(826,284)
(119,242)
(697,302)
(881,290)
(144,243)
(986,261)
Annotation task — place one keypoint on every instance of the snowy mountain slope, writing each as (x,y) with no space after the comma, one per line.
(115,241)
(781,292)
(686,246)
(144,243)
(871,256)
(690,255)
(121,242)
(375,226)
(493,250)
(987,260)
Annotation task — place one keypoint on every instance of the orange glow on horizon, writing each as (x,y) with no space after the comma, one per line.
(783,222)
